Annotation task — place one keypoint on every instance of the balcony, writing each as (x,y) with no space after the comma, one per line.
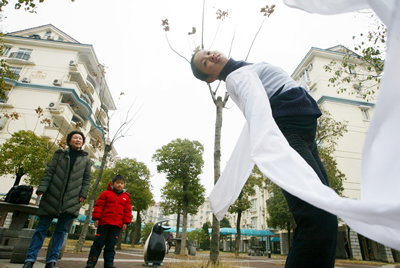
(19,58)
(65,118)
(78,73)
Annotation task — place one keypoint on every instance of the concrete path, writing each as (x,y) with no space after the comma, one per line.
(134,258)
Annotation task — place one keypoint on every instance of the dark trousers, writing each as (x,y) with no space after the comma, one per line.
(106,235)
(315,235)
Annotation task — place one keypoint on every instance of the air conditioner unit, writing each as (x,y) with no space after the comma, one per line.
(53,106)
(26,80)
(73,65)
(57,82)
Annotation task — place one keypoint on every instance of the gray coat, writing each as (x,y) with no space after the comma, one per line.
(60,194)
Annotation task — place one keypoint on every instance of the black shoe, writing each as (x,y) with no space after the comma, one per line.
(28,264)
(50,265)
(89,266)
(109,266)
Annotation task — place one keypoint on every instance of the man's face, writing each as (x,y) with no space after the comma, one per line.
(210,63)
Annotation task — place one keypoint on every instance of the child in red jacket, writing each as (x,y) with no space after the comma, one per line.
(112,212)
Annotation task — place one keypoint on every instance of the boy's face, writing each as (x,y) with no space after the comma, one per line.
(118,185)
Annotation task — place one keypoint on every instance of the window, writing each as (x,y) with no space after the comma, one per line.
(47,35)
(15,70)
(305,77)
(365,115)
(365,112)
(34,36)
(23,54)
(254,222)
(352,69)
(3,100)
(6,50)
(253,204)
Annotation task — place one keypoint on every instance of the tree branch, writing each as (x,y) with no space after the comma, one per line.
(174,49)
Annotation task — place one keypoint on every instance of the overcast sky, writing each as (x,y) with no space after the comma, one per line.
(128,38)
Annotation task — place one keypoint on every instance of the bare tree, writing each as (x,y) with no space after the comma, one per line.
(220,103)
(128,118)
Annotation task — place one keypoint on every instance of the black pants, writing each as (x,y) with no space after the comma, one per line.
(315,235)
(106,235)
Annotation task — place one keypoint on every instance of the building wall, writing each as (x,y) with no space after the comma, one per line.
(344,107)
(35,87)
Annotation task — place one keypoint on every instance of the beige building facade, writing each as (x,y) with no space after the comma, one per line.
(64,78)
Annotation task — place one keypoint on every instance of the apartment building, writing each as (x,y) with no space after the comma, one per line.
(64,78)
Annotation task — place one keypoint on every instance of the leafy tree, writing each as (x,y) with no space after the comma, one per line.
(197,235)
(360,72)
(279,215)
(29,5)
(24,154)
(147,230)
(137,184)
(335,176)
(172,202)
(206,242)
(328,133)
(220,103)
(182,162)
(243,202)
(224,223)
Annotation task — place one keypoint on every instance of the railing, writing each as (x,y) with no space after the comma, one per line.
(19,55)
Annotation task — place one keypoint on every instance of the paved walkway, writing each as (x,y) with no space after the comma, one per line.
(134,258)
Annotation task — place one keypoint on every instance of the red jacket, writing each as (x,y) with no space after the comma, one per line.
(112,209)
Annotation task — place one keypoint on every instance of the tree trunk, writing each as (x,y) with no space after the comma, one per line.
(214,245)
(237,246)
(18,177)
(178,221)
(119,242)
(184,225)
(138,227)
(82,236)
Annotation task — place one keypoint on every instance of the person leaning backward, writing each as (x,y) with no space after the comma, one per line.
(65,184)
(295,113)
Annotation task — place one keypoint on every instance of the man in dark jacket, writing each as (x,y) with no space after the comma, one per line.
(64,185)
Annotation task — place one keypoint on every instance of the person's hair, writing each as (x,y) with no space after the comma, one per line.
(118,177)
(196,71)
(72,133)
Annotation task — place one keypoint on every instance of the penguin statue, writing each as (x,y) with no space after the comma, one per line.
(154,248)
